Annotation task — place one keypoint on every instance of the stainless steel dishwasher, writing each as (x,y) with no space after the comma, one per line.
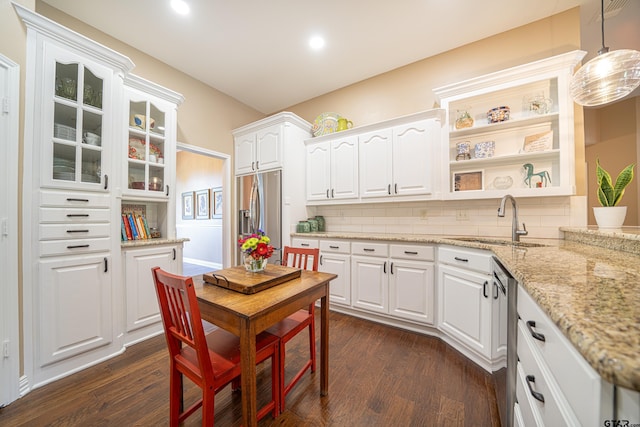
(505,379)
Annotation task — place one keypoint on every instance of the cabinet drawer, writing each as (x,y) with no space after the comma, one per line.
(579,382)
(553,411)
(422,253)
(73,247)
(298,242)
(529,415)
(469,259)
(370,249)
(74,231)
(335,246)
(74,199)
(74,215)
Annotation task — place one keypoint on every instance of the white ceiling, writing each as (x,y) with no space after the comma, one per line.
(257,50)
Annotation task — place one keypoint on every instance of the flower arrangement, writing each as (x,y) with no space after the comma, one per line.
(257,250)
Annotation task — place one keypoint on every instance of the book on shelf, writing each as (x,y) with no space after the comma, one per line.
(134,223)
(127,227)
(134,230)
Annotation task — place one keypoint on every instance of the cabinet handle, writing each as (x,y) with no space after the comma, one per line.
(395,188)
(327,193)
(106,264)
(174,254)
(497,292)
(167,192)
(71,199)
(461,259)
(537,335)
(536,395)
(368,250)
(411,252)
(77,246)
(484,289)
(77,215)
(333,193)
(320,259)
(391,268)
(334,247)
(77,231)
(384,267)
(304,244)
(106,181)
(253,166)
(257,164)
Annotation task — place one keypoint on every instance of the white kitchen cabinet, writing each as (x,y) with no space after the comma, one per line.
(73,89)
(150,116)
(335,258)
(142,314)
(369,279)
(538,130)
(260,150)
(398,161)
(332,168)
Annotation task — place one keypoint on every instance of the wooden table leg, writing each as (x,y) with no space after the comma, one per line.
(248,380)
(324,342)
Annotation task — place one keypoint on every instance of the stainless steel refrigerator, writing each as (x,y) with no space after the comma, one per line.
(260,207)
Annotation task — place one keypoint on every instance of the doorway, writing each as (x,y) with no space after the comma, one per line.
(9,300)
(201,175)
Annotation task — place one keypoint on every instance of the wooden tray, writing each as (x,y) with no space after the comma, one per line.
(240,280)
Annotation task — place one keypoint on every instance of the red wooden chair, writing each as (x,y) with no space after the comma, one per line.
(307,259)
(211,361)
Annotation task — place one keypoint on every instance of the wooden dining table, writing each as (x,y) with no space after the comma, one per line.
(246,315)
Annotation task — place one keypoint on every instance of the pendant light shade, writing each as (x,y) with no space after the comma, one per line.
(607,77)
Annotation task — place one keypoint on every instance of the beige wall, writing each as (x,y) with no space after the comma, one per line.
(612,138)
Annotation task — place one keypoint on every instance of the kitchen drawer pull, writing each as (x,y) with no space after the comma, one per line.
(532,324)
(334,247)
(77,215)
(461,259)
(384,267)
(484,289)
(77,246)
(77,231)
(368,250)
(71,199)
(389,189)
(106,182)
(411,252)
(106,264)
(536,395)
(174,254)
(304,244)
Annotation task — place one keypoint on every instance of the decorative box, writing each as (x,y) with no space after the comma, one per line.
(498,114)
(484,149)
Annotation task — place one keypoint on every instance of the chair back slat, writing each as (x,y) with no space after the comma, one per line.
(303,258)
(181,317)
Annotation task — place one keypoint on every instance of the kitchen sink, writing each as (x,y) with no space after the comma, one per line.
(498,242)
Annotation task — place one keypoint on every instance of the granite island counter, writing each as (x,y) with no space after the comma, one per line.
(590,292)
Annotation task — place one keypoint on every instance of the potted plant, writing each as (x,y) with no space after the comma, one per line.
(610,215)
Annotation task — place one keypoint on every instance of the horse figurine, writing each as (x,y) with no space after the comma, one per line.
(544,176)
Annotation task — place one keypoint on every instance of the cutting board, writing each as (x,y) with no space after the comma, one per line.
(240,280)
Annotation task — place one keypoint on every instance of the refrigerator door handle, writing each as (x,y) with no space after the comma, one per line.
(254,206)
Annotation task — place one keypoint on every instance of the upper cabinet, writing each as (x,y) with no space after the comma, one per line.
(260,150)
(150,117)
(392,160)
(511,132)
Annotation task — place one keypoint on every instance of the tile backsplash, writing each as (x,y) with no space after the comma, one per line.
(542,215)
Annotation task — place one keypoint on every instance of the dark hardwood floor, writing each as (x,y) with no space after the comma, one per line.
(378,376)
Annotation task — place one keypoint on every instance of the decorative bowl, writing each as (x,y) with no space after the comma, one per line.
(498,114)
(325,124)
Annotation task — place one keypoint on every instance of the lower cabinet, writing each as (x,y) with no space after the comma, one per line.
(335,258)
(142,315)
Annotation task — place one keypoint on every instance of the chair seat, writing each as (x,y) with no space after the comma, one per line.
(227,345)
(292,325)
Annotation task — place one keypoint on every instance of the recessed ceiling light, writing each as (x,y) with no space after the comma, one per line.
(316,43)
(180,6)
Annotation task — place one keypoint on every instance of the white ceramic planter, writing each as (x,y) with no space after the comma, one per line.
(610,216)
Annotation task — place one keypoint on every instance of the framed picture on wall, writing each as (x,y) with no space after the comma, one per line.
(216,202)
(468,181)
(202,204)
(187,205)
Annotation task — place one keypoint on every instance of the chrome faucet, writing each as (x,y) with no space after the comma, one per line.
(515,233)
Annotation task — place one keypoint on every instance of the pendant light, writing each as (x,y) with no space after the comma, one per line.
(607,77)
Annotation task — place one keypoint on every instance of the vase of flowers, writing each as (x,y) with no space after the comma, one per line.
(256,250)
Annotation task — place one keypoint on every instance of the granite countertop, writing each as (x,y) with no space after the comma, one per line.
(591,292)
(151,242)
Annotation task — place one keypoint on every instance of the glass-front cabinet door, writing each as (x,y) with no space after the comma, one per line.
(76,142)
(147,146)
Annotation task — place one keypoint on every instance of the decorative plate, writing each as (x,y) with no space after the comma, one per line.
(325,124)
